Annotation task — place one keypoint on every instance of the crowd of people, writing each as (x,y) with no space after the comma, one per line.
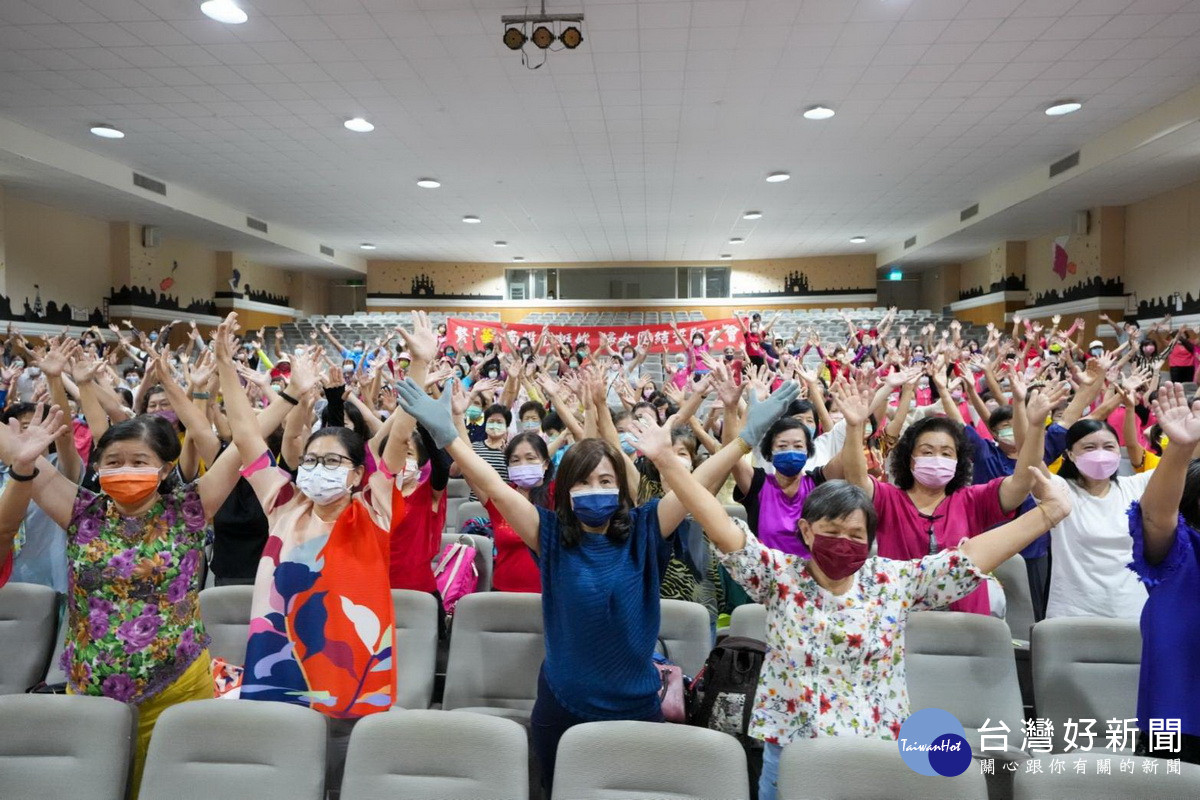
(887,471)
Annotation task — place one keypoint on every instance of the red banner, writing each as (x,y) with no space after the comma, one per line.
(470,333)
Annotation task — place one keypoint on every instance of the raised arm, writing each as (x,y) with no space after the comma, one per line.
(325,329)
(30,470)
(855,407)
(1160,501)
(53,364)
(1016,487)
(992,548)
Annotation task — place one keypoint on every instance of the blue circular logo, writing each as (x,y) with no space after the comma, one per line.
(933,742)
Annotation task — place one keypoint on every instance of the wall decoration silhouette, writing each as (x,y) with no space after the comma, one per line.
(148,298)
(1012,283)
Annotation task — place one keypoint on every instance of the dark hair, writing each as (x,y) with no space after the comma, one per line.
(1085,427)
(532,405)
(552,422)
(1000,415)
(354,444)
(152,429)
(1189,501)
(577,464)
(16,410)
(496,408)
(157,388)
(538,495)
(1155,439)
(837,500)
(767,445)
(126,395)
(903,452)
(643,404)
(356,421)
(798,407)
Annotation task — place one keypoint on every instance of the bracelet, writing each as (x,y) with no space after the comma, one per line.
(747,448)
(289,398)
(22,478)
(200,395)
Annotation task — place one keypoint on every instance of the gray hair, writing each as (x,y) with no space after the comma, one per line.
(838,500)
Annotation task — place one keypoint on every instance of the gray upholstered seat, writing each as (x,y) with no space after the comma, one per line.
(496,650)
(686,630)
(28,625)
(416,646)
(1018,602)
(436,755)
(225,611)
(65,746)
(637,760)
(236,748)
(749,620)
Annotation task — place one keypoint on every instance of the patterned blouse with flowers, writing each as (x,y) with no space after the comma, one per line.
(132,607)
(835,663)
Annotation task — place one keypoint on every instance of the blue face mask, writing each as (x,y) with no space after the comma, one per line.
(595,507)
(812,431)
(789,462)
(627,444)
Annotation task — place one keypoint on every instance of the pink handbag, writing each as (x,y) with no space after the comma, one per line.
(455,573)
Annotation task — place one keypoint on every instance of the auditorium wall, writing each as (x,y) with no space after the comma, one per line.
(1162,250)
(65,255)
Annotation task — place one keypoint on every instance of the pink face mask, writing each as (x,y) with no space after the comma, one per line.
(1099,465)
(934,471)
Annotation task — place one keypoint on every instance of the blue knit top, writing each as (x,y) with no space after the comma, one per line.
(600,604)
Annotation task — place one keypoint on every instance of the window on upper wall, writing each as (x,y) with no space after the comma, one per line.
(702,282)
(531,284)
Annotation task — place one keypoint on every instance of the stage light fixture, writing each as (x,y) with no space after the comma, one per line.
(571,37)
(543,37)
(514,38)
(542,29)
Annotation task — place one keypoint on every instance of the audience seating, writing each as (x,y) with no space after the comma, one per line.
(749,620)
(846,768)
(1065,782)
(963,663)
(436,755)
(64,746)
(28,624)
(484,550)
(736,511)
(638,760)
(1014,577)
(231,748)
(1086,668)
(496,650)
(468,510)
(416,646)
(686,630)
(225,611)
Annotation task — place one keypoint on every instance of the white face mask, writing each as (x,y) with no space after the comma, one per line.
(412,471)
(323,485)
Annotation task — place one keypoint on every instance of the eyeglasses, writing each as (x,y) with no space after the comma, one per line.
(329,461)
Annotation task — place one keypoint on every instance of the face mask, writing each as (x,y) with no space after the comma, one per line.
(411,473)
(789,462)
(812,431)
(493,374)
(934,471)
(1005,436)
(923,383)
(647,393)
(1099,465)
(627,356)
(1148,349)
(573,364)
(458,373)
(627,444)
(474,412)
(19,364)
(450,354)
(837,556)
(526,475)
(129,486)
(154,337)
(34,371)
(680,364)
(323,485)
(495,428)
(595,507)
(168,414)
(347,369)
(1097,351)
(358,348)
(531,425)
(697,342)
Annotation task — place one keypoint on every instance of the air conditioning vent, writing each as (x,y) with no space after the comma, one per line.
(256,224)
(149,184)
(967,213)
(326,250)
(909,242)
(1064,164)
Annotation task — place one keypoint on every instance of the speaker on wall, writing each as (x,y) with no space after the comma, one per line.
(150,236)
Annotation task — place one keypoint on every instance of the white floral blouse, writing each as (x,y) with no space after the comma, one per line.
(835,663)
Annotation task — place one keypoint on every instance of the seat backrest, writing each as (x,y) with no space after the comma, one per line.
(64,746)
(483,556)
(964,664)
(28,626)
(436,755)
(1018,603)
(628,760)
(850,768)
(496,649)
(416,646)
(1085,668)
(469,510)
(749,620)
(225,611)
(736,511)
(686,630)
(1058,777)
(457,487)
(220,748)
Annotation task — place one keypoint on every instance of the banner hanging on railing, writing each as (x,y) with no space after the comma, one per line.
(476,333)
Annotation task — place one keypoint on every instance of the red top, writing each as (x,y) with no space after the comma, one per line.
(6,569)
(514,569)
(416,538)
(753,344)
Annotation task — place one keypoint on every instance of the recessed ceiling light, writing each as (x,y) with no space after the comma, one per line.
(518,258)
(358,125)
(858,239)
(778,177)
(366,246)
(471,219)
(737,240)
(500,244)
(818,112)
(225,11)
(726,255)
(752,215)
(107,132)
(1063,107)
(428,183)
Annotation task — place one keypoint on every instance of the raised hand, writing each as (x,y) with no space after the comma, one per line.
(225,338)
(21,448)
(421,343)
(197,374)
(854,402)
(1042,401)
(898,377)
(252,376)
(58,356)
(460,400)
(653,440)
(1180,422)
(1053,498)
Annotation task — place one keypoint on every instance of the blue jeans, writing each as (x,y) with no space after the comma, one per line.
(770,771)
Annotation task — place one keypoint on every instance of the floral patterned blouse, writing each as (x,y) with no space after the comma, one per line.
(132,606)
(835,663)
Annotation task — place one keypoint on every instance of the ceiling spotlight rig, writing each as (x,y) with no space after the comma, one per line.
(542,30)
